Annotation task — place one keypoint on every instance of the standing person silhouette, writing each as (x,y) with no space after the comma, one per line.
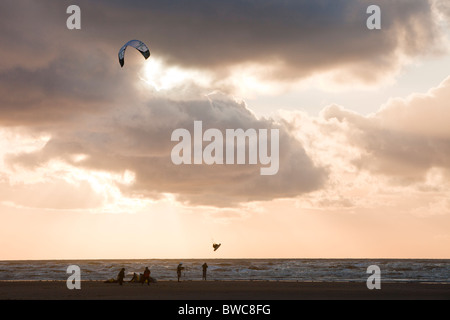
(146,276)
(120,276)
(179,268)
(204,267)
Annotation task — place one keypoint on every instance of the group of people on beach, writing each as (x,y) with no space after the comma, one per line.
(145,277)
(142,278)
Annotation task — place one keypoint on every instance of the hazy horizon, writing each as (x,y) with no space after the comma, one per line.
(208,259)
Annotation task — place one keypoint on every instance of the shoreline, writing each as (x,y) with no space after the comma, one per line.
(221,290)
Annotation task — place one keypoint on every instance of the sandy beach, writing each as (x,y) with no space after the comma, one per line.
(219,290)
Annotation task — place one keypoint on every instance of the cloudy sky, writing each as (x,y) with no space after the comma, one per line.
(363,116)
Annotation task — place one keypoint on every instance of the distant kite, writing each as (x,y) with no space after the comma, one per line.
(138,45)
(216,246)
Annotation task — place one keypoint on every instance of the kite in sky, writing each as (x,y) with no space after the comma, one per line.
(138,45)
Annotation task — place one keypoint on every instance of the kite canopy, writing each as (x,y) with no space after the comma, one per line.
(216,246)
(138,45)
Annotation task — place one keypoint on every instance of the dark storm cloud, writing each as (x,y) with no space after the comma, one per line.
(69,83)
(136,145)
(303,36)
(43,64)
(63,90)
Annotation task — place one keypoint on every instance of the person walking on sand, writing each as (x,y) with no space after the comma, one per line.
(120,276)
(146,276)
(179,268)
(204,267)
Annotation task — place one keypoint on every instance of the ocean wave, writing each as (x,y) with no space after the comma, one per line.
(236,269)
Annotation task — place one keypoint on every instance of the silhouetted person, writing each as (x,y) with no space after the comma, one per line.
(204,267)
(146,276)
(179,268)
(120,276)
(135,277)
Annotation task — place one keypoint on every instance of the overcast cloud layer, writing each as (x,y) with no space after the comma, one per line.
(69,86)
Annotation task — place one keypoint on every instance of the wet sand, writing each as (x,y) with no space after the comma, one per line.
(220,290)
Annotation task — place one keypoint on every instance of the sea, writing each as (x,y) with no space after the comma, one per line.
(302,270)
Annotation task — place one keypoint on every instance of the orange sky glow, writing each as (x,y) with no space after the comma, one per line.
(363,117)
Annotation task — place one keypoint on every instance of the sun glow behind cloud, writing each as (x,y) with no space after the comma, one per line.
(42,186)
(160,76)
